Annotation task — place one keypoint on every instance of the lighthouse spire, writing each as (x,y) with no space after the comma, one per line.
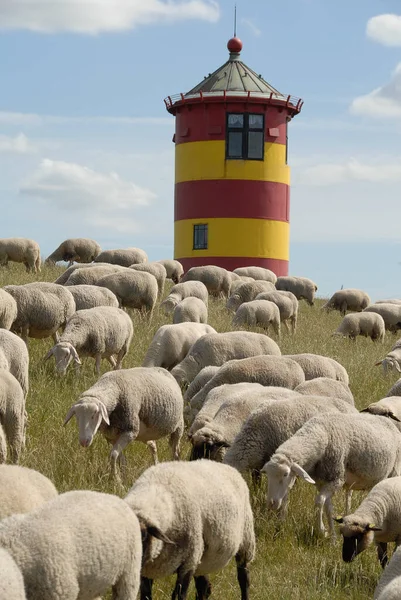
(235,20)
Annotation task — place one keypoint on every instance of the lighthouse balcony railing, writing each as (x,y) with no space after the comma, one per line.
(289,101)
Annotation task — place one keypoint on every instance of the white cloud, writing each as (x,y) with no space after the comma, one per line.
(383,102)
(351,170)
(95,16)
(16,145)
(32,119)
(385,29)
(252,27)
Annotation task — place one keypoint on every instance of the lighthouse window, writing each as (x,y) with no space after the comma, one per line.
(245,136)
(200,237)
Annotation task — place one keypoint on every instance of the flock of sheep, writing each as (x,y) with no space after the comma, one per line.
(245,407)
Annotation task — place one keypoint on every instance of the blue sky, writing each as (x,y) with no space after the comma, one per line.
(85,140)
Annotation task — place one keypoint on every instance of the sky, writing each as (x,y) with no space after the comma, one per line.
(86,142)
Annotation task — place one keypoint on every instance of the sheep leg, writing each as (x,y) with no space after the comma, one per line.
(174,442)
(348,498)
(98,363)
(25,334)
(382,554)
(153,449)
(112,361)
(242,576)
(55,337)
(181,587)
(328,509)
(120,358)
(121,443)
(203,588)
(146,588)
(319,504)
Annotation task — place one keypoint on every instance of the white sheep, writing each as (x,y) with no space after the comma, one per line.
(178,292)
(12,416)
(125,257)
(80,250)
(23,490)
(200,380)
(70,270)
(367,324)
(236,283)
(391,314)
(395,389)
(171,344)
(133,289)
(390,406)
(258,313)
(301,287)
(347,299)
(173,268)
(142,404)
(377,518)
(100,332)
(287,304)
(90,275)
(315,365)
(247,292)
(216,279)
(8,310)
(78,545)
(389,586)
(14,358)
(89,296)
(325,386)
(155,269)
(392,358)
(194,518)
(332,451)
(11,580)
(21,250)
(191,310)
(218,348)
(389,301)
(257,273)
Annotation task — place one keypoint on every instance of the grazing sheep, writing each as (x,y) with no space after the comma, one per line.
(200,380)
(178,292)
(155,269)
(142,404)
(125,257)
(14,358)
(262,313)
(367,324)
(315,365)
(377,518)
(257,273)
(23,490)
(70,270)
(12,416)
(395,389)
(11,580)
(78,545)
(21,250)
(194,518)
(133,289)
(236,283)
(390,406)
(8,310)
(217,348)
(171,344)
(301,287)
(100,332)
(80,250)
(333,451)
(287,304)
(191,310)
(89,296)
(247,292)
(389,586)
(216,279)
(325,386)
(348,299)
(43,308)
(173,268)
(391,314)
(392,358)
(91,275)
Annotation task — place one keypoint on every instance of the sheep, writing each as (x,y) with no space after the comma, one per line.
(200,380)
(190,310)
(21,250)
(366,324)
(89,296)
(194,518)
(216,279)
(262,313)
(332,451)
(257,273)
(246,292)
(178,292)
(12,416)
(133,289)
(91,275)
(218,348)
(301,287)
(392,358)
(14,358)
(389,586)
(377,518)
(78,545)
(80,250)
(391,314)
(171,344)
(272,424)
(395,389)
(11,580)
(347,299)
(8,310)
(23,490)
(100,332)
(267,370)
(390,406)
(173,268)
(315,365)
(143,404)
(238,282)
(70,270)
(42,309)
(125,257)
(325,386)
(389,301)
(287,304)
(155,269)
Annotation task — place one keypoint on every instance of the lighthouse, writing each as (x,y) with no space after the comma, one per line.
(232,180)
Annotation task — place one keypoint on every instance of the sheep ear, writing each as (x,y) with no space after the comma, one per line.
(298,470)
(338,519)
(379,362)
(393,416)
(103,412)
(156,533)
(49,354)
(397,366)
(70,414)
(372,527)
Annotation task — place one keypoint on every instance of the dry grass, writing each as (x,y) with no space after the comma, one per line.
(291,566)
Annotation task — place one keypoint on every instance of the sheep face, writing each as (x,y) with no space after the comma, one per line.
(64,353)
(89,415)
(233,302)
(169,304)
(358,535)
(208,444)
(281,477)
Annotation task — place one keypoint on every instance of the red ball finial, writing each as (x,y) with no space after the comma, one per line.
(234,45)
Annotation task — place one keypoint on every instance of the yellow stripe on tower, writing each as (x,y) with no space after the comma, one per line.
(207,160)
(256,238)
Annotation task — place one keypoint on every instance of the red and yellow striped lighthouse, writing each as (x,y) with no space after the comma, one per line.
(232,181)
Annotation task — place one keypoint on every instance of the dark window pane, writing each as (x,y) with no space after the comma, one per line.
(255,121)
(234,144)
(255,144)
(200,237)
(236,121)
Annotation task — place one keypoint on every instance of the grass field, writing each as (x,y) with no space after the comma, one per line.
(290,566)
